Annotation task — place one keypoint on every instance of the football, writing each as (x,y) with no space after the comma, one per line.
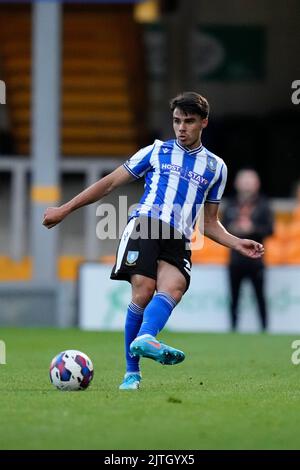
(71,370)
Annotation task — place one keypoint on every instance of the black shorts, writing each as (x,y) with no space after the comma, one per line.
(139,253)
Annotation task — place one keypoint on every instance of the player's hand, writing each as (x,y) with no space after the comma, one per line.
(250,248)
(52,216)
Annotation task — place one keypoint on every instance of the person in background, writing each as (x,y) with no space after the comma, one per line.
(248,215)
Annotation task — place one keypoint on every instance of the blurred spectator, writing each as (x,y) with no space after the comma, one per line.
(248,215)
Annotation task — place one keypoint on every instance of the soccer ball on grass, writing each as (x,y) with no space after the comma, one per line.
(71,370)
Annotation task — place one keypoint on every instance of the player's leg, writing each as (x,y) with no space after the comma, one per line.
(170,285)
(170,280)
(235,279)
(142,291)
(134,261)
(173,278)
(257,278)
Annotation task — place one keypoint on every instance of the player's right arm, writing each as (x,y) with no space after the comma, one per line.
(93,193)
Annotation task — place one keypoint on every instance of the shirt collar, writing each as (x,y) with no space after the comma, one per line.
(190,151)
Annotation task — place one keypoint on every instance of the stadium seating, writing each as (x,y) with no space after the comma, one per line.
(101,99)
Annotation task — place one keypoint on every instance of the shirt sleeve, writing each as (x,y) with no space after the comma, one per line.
(139,163)
(215,193)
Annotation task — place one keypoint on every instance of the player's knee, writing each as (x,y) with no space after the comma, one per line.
(176,294)
(143,295)
(174,290)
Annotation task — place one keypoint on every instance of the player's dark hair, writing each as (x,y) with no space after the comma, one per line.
(190,102)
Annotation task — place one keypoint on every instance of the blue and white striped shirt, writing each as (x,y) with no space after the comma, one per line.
(177,182)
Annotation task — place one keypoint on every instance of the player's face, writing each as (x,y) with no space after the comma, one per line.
(188,128)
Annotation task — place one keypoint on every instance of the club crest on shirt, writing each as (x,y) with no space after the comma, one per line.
(211,163)
(132,256)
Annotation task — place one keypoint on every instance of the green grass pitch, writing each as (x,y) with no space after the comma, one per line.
(233,391)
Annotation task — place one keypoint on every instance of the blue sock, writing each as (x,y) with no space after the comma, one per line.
(157,313)
(133,323)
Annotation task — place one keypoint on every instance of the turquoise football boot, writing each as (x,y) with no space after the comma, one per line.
(131,382)
(148,346)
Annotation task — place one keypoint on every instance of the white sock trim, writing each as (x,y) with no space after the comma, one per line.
(132,373)
(136,308)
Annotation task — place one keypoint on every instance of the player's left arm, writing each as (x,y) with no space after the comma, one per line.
(214,230)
